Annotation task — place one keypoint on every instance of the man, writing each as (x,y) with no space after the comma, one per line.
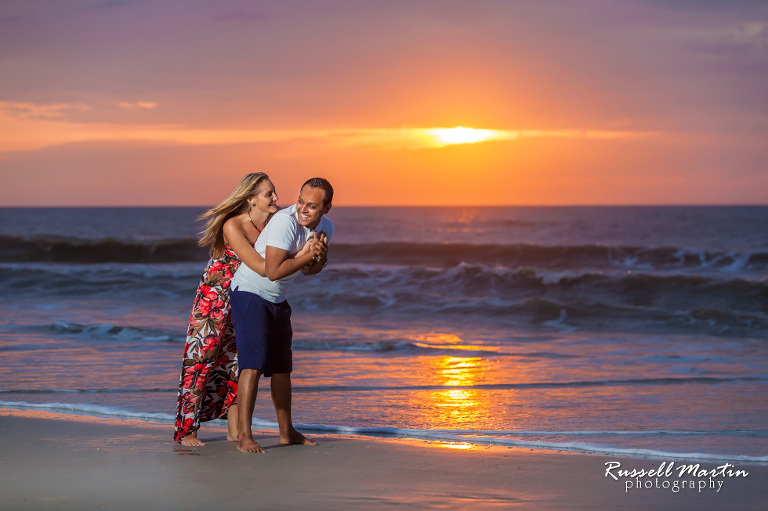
(261,314)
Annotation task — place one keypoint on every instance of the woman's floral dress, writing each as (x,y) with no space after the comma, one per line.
(208,385)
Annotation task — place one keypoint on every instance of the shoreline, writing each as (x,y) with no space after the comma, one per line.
(419,437)
(59,461)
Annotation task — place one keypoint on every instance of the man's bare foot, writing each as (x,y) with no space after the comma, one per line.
(295,438)
(191,440)
(231,437)
(247,445)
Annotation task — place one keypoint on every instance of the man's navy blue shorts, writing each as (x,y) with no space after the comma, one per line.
(262,332)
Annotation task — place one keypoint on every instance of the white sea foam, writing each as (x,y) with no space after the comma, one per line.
(88,411)
(500,438)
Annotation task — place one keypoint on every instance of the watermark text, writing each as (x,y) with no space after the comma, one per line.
(669,476)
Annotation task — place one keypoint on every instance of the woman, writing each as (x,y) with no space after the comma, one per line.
(208,385)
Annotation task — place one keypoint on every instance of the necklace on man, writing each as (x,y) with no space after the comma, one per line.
(253,224)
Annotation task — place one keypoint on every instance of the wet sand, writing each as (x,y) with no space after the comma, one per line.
(67,462)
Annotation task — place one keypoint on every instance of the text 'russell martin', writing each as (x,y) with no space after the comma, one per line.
(671,477)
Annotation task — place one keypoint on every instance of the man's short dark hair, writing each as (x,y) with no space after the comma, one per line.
(319,182)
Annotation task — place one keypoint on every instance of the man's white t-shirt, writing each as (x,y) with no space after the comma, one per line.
(283,231)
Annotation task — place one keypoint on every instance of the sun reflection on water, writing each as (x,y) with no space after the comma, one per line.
(456,406)
(457,445)
(448,341)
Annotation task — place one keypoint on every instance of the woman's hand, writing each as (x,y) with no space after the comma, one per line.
(306,249)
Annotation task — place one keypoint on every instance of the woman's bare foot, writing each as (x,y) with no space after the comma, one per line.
(295,438)
(191,440)
(248,445)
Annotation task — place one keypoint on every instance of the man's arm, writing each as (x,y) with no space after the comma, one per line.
(279,264)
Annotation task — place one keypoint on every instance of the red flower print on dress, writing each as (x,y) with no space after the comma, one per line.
(188,381)
(209,346)
(207,385)
(201,377)
(189,405)
(217,311)
(204,306)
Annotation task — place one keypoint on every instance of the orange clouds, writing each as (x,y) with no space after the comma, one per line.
(26,127)
(21,110)
(145,105)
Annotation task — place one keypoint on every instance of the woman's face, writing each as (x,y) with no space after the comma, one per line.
(266,199)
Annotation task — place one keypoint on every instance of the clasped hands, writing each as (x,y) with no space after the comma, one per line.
(318,244)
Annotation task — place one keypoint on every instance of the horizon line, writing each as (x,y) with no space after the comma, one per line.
(561,205)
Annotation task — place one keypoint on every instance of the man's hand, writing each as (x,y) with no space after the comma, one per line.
(319,245)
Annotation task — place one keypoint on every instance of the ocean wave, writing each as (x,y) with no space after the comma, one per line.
(543,385)
(509,438)
(557,256)
(89,410)
(74,250)
(110,331)
(399,346)
(404,347)
(597,256)
(305,389)
(109,280)
(512,439)
(86,391)
(558,299)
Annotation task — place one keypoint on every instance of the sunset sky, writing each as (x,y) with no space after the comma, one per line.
(146,102)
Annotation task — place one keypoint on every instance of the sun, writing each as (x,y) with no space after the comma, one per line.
(460,135)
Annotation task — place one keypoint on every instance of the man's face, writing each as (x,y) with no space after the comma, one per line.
(310,206)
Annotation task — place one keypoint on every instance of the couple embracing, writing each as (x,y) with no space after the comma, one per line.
(240,326)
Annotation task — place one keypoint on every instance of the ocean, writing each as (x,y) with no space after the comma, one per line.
(621,330)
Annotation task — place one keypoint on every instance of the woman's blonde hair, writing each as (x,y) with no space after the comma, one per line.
(236,203)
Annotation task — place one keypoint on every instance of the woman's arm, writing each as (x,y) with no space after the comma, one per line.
(234,235)
(235,238)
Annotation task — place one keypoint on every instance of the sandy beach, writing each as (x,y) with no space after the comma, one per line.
(536,265)
(62,462)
